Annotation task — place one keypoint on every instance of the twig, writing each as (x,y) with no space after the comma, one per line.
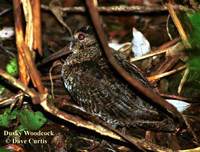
(35,76)
(167,28)
(169,43)
(189,100)
(29,24)
(120,9)
(25,46)
(166,65)
(178,25)
(156,77)
(19,85)
(58,13)
(10,100)
(5,11)
(184,78)
(23,75)
(37,41)
(50,76)
(176,47)
(6,50)
(53,77)
(132,81)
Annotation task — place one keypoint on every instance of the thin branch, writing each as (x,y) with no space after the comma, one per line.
(120,9)
(24,50)
(53,77)
(132,81)
(178,25)
(167,28)
(55,64)
(29,24)
(23,75)
(156,77)
(166,65)
(19,84)
(58,13)
(183,80)
(5,11)
(169,43)
(189,100)
(37,30)
(34,73)
(177,47)
(10,100)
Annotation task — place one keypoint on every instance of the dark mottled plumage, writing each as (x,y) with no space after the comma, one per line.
(99,90)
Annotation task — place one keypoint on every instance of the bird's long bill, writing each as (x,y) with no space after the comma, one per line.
(63,52)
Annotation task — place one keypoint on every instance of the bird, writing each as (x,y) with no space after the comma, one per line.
(99,90)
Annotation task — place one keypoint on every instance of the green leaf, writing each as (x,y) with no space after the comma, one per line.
(194,19)
(4,150)
(7,117)
(194,64)
(191,21)
(31,120)
(12,67)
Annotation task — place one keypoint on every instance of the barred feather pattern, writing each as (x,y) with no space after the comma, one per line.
(99,90)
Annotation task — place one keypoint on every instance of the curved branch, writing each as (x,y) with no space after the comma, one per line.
(132,81)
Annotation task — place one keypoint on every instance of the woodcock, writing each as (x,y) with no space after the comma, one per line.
(99,90)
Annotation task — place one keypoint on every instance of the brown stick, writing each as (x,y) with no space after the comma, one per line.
(18,84)
(53,77)
(10,100)
(25,58)
(158,76)
(120,9)
(35,76)
(176,47)
(189,100)
(135,83)
(29,24)
(165,65)
(23,75)
(37,43)
(178,25)
(169,44)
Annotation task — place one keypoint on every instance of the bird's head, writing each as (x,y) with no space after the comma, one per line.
(83,39)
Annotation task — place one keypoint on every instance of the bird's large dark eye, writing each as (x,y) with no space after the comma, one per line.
(81,36)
